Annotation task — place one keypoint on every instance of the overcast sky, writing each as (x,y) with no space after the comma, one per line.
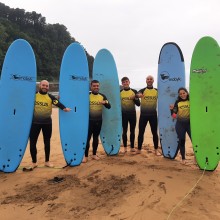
(132,30)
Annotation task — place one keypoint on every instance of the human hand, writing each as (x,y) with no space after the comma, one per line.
(67,109)
(171,106)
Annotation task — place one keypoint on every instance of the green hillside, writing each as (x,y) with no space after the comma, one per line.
(49,41)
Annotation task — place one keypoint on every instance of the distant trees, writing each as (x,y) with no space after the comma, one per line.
(49,41)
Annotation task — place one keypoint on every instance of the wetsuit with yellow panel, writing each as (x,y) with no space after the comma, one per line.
(182,109)
(148,113)
(128,102)
(95,119)
(42,120)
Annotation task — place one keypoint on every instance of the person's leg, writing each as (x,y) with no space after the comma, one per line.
(47,132)
(132,121)
(96,132)
(180,130)
(188,130)
(153,125)
(125,129)
(142,125)
(85,159)
(34,133)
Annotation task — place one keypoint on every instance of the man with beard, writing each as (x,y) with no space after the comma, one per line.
(42,121)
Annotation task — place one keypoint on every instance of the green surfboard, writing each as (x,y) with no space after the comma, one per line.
(205,103)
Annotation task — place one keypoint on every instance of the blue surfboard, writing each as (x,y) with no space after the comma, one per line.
(105,71)
(17,95)
(171,76)
(74,93)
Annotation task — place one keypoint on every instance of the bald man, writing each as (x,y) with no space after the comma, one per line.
(148,97)
(42,121)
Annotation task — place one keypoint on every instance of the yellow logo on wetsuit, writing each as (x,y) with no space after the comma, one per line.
(183,109)
(127,104)
(149,101)
(43,107)
(95,106)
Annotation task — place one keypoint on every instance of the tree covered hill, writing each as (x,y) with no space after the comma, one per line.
(49,41)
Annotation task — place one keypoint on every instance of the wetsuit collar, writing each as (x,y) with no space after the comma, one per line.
(42,93)
(150,87)
(95,93)
(126,89)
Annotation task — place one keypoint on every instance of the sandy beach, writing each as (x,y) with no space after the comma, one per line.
(126,186)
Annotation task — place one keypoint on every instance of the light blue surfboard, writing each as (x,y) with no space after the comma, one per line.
(17,95)
(171,76)
(105,71)
(74,93)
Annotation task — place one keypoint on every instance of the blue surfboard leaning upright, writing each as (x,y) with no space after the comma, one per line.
(105,71)
(171,76)
(74,93)
(17,95)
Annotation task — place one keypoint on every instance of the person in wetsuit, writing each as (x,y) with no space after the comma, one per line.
(148,110)
(181,112)
(42,121)
(128,102)
(97,101)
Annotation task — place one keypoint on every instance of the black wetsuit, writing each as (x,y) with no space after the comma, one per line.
(148,113)
(128,114)
(42,120)
(95,120)
(182,109)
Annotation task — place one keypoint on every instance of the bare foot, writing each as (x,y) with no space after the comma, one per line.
(95,157)
(48,164)
(183,162)
(157,152)
(34,165)
(138,152)
(85,160)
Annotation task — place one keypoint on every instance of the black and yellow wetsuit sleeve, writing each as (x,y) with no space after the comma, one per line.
(43,108)
(149,101)
(127,104)
(56,102)
(95,111)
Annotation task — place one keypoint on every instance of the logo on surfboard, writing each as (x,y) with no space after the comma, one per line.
(199,71)
(21,78)
(79,78)
(165,76)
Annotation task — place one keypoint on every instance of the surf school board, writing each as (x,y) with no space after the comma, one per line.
(171,76)
(105,71)
(17,95)
(74,93)
(204,102)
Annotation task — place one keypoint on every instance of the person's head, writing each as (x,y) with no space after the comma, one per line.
(183,93)
(95,86)
(125,82)
(44,86)
(150,80)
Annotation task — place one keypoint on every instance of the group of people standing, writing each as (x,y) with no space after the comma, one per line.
(146,98)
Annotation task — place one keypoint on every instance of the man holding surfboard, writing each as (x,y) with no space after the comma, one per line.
(42,121)
(128,102)
(97,101)
(148,97)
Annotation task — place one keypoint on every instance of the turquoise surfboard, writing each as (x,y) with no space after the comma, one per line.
(17,95)
(171,76)
(74,93)
(105,71)
(204,103)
